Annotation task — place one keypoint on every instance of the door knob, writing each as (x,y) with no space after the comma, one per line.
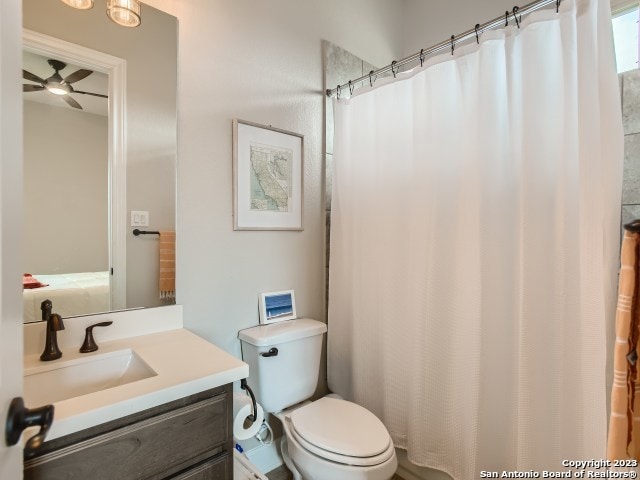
(19,418)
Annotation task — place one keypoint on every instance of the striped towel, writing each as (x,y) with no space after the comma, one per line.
(167,265)
(624,426)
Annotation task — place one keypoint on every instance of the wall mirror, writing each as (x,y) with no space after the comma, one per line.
(93,158)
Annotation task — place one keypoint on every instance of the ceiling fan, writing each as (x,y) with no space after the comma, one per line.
(57,85)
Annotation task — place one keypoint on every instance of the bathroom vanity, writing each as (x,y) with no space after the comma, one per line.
(162,409)
(190,438)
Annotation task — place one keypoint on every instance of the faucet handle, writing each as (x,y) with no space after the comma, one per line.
(89,344)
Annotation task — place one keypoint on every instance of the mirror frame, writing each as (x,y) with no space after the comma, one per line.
(115,68)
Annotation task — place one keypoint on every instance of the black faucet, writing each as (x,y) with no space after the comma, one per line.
(54,325)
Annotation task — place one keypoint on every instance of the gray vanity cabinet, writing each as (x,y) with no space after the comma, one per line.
(188,439)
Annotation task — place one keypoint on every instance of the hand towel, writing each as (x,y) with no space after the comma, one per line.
(167,265)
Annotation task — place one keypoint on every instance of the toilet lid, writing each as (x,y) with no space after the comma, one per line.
(341,427)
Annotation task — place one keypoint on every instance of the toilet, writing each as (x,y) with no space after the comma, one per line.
(326,439)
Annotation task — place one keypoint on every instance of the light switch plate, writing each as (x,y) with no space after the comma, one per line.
(139,218)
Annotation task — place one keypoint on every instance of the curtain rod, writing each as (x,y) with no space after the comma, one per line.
(515,14)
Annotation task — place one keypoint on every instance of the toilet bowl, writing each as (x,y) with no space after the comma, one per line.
(327,439)
(335,439)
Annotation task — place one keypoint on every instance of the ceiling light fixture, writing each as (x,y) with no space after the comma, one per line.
(79,4)
(124,12)
(58,89)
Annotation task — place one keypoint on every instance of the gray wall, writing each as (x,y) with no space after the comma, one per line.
(151,52)
(427,22)
(65,190)
(261,62)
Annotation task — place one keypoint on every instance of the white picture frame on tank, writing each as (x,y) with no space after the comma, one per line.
(277,306)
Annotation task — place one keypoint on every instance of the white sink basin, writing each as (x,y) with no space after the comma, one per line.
(59,380)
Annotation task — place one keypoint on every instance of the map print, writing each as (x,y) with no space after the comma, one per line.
(270,178)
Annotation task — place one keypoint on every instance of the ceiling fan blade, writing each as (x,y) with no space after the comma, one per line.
(78,75)
(89,93)
(30,76)
(71,102)
(31,88)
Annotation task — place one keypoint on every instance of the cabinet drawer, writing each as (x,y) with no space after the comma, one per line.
(219,468)
(154,448)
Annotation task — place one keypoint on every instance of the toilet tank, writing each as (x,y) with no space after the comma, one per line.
(290,376)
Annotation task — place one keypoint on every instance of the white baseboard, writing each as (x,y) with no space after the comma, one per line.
(266,457)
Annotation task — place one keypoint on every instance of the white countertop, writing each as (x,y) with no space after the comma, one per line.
(185,364)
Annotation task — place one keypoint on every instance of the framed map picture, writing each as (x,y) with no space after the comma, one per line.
(267,178)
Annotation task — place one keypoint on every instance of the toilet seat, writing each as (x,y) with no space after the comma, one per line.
(341,432)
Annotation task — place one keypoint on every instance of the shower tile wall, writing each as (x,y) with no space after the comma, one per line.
(340,66)
(630,92)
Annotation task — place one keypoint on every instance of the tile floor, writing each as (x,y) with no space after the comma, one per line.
(282,473)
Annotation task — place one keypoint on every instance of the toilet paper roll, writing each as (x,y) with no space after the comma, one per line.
(242,408)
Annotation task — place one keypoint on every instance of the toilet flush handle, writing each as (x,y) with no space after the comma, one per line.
(273,352)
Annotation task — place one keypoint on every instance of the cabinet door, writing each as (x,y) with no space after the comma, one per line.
(155,448)
(219,468)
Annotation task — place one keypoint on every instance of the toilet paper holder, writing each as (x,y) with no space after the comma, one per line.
(254,408)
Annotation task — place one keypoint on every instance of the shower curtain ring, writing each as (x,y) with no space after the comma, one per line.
(558,6)
(453,43)
(351,87)
(338,88)
(421,56)
(515,11)
(371,81)
(506,18)
(477,36)
(393,68)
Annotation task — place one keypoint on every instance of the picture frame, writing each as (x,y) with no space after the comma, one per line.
(268,168)
(277,306)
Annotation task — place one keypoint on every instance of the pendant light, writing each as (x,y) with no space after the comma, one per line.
(124,12)
(79,4)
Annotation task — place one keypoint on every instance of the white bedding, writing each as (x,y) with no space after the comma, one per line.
(71,293)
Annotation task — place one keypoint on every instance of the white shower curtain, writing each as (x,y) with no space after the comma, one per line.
(474,243)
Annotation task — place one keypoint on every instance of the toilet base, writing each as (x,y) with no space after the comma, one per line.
(310,467)
(284,449)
